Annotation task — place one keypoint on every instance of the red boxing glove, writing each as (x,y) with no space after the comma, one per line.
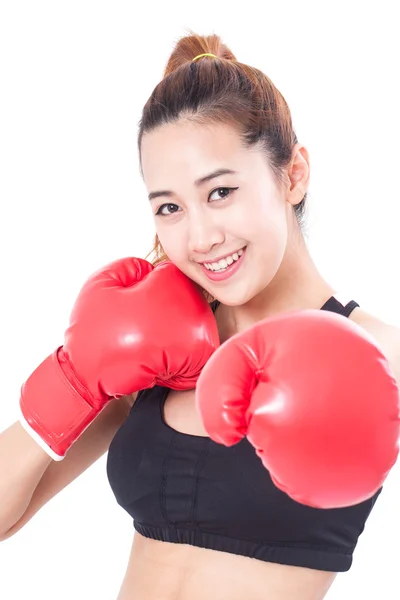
(133,326)
(315,397)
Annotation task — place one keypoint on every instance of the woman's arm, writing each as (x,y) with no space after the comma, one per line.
(29,478)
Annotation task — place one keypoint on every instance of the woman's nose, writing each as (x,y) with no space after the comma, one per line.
(204,233)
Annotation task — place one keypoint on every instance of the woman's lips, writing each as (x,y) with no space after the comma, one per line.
(225,273)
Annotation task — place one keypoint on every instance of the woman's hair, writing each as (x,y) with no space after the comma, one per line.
(222,91)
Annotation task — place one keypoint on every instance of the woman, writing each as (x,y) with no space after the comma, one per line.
(227,182)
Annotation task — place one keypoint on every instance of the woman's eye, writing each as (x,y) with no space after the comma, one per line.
(171,207)
(223,192)
(168,209)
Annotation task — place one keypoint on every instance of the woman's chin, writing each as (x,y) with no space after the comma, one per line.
(232,297)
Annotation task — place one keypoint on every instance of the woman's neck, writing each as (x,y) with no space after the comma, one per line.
(297,285)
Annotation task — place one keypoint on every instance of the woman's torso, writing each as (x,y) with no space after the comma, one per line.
(167,571)
(171,571)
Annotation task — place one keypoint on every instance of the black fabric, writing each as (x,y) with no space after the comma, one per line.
(188,489)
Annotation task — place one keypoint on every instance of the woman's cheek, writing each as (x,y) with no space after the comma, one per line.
(173,245)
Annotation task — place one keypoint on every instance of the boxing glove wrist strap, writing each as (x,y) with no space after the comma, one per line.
(53,409)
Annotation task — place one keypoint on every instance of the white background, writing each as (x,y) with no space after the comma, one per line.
(74,77)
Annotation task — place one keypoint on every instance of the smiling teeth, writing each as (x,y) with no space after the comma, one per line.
(222,264)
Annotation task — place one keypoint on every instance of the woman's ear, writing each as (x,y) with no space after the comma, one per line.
(299,174)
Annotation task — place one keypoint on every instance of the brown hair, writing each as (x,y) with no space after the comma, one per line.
(223,91)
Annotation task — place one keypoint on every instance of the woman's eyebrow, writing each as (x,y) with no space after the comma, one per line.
(198,182)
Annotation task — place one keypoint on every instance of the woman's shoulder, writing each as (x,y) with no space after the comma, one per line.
(386,335)
(377,327)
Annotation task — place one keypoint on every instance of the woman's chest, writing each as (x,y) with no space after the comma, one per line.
(180,413)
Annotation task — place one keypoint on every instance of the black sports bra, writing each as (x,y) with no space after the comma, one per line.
(188,489)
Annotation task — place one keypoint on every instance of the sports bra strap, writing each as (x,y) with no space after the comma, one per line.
(331,304)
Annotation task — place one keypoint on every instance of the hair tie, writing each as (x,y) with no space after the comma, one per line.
(205,54)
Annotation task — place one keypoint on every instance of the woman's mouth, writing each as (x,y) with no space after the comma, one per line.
(224,268)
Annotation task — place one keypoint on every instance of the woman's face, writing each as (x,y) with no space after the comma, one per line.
(201,217)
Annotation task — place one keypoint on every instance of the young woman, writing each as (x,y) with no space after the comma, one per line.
(227,181)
